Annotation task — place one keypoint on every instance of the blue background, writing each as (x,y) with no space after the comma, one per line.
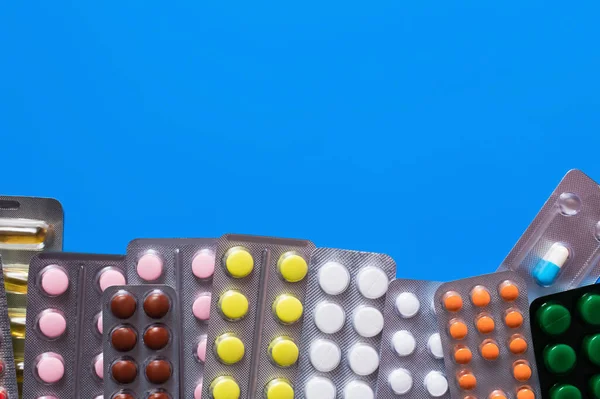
(431,131)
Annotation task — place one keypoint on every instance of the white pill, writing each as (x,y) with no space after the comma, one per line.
(329,317)
(363,359)
(434,345)
(358,390)
(319,388)
(400,381)
(403,343)
(407,304)
(334,278)
(325,355)
(436,384)
(367,321)
(372,282)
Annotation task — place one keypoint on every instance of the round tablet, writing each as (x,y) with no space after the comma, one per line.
(157,304)
(458,329)
(123,371)
(99,326)
(452,301)
(525,393)
(462,354)
(489,349)
(233,305)
(522,371)
(436,384)
(329,317)
(589,308)
(319,388)
(403,343)
(99,366)
(565,391)
(123,305)
(292,267)
(466,380)
(434,346)
(287,309)
(229,348)
(497,394)
(517,344)
(513,318)
(203,264)
(407,304)
(159,395)
(485,324)
(198,391)
(333,278)
(279,388)
(553,319)
(508,291)
(591,347)
(158,371)
(559,359)
(324,355)
(123,338)
(156,337)
(149,267)
(111,277)
(55,280)
(225,388)
(594,385)
(50,367)
(52,323)
(201,350)
(201,307)
(238,262)
(480,296)
(358,390)
(400,381)
(363,359)
(367,321)
(372,282)
(284,352)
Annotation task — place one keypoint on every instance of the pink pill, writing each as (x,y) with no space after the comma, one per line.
(198,391)
(99,366)
(203,264)
(110,277)
(52,323)
(99,322)
(150,267)
(201,307)
(50,367)
(201,350)
(54,280)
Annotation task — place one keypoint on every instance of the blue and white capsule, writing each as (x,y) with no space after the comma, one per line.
(547,269)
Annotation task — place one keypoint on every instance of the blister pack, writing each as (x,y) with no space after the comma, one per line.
(343,320)
(256,323)
(566,339)
(412,357)
(142,343)
(484,327)
(63,346)
(8,378)
(187,265)
(561,247)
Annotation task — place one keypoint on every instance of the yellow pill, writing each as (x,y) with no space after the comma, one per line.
(279,388)
(225,388)
(229,348)
(238,262)
(287,308)
(233,305)
(292,267)
(284,351)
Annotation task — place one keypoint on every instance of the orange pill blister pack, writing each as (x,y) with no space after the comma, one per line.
(483,324)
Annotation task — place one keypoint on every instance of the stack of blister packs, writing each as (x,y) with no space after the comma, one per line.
(254,317)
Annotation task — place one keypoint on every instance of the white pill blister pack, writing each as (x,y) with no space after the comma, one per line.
(343,321)
(412,357)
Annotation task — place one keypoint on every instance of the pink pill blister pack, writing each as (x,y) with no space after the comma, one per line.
(187,265)
(63,346)
(8,379)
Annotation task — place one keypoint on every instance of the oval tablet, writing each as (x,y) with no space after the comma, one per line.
(324,355)
(400,381)
(407,304)
(367,321)
(333,278)
(358,390)
(329,317)
(372,282)
(403,343)
(319,388)
(363,359)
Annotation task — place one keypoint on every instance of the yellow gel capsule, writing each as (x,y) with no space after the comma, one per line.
(233,305)
(279,388)
(229,348)
(238,262)
(292,267)
(283,351)
(287,308)
(225,388)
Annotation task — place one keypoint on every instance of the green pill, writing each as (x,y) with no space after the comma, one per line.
(591,347)
(595,386)
(553,319)
(589,308)
(559,359)
(565,391)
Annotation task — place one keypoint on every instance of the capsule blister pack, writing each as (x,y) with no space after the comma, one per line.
(63,346)
(8,378)
(187,265)
(566,339)
(412,356)
(343,320)
(255,328)
(561,248)
(142,343)
(484,326)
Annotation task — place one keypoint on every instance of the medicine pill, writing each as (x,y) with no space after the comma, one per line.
(287,308)
(329,317)
(547,269)
(408,304)
(367,321)
(319,388)
(403,343)
(436,384)
(400,381)
(358,390)
(239,263)
(229,348)
(233,305)
(292,267)
(333,278)
(284,352)
(363,359)
(325,355)
(372,282)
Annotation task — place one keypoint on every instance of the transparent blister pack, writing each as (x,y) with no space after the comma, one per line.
(187,265)
(484,327)
(142,342)
(63,346)
(8,378)
(412,356)
(343,320)
(256,323)
(561,247)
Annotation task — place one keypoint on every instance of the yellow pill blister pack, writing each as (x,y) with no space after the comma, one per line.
(256,310)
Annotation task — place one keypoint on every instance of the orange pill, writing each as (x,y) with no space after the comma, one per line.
(485,324)
(517,344)
(497,394)
(462,354)
(458,329)
(452,301)
(513,318)
(480,296)
(521,370)
(508,291)
(466,380)
(525,393)
(489,349)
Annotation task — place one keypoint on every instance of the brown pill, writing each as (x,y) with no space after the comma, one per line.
(123,338)
(157,304)
(123,305)
(158,371)
(159,395)
(123,396)
(124,371)
(156,337)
